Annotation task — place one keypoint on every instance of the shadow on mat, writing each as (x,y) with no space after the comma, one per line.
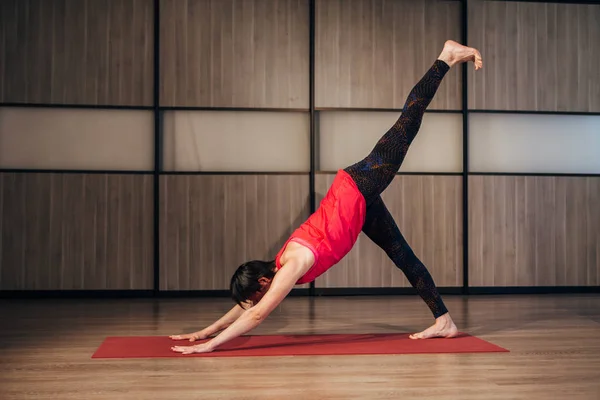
(368,338)
(392,328)
(323,340)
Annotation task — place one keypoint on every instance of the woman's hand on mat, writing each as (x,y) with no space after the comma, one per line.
(199,348)
(190,336)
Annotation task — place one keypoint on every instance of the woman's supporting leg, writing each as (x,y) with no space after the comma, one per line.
(381,228)
(374,173)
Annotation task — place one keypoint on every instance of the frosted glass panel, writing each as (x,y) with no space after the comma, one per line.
(45,138)
(346,137)
(236,141)
(529,143)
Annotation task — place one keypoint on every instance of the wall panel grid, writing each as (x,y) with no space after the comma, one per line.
(75,231)
(234,53)
(534,231)
(76,52)
(345,137)
(236,141)
(245,179)
(369,54)
(76,139)
(530,143)
(213,223)
(539,56)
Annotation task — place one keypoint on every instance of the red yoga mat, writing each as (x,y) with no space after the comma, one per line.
(295,345)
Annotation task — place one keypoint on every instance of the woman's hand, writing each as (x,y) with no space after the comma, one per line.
(199,348)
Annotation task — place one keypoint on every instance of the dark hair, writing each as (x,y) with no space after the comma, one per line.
(244,282)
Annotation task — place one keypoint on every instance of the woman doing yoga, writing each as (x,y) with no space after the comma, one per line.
(352,204)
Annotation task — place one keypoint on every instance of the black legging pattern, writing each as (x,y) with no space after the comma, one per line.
(374,174)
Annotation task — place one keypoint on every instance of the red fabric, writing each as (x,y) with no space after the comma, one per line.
(331,231)
(296,345)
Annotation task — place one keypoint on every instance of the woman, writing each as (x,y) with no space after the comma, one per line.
(352,204)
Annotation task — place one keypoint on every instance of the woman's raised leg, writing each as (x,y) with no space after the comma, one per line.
(374,173)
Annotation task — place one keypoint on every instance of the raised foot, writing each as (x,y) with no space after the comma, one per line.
(455,53)
(444,327)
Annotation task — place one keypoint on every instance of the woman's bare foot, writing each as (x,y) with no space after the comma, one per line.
(443,328)
(455,53)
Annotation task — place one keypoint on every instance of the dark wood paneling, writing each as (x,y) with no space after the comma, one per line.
(210,224)
(428,211)
(537,56)
(235,53)
(76,51)
(534,231)
(370,53)
(75,231)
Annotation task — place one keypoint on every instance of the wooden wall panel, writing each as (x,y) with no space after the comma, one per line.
(534,231)
(537,56)
(76,51)
(428,211)
(75,231)
(210,224)
(235,53)
(370,53)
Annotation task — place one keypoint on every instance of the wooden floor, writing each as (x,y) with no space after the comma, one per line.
(554,341)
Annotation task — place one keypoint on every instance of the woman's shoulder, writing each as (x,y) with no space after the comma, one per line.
(299,251)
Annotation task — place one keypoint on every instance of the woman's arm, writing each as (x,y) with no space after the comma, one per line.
(282,284)
(222,323)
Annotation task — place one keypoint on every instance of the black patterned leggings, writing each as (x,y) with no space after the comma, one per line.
(374,174)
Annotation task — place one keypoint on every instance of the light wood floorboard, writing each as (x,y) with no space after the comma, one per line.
(555,352)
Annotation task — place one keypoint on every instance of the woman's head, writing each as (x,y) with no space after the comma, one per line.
(251,280)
